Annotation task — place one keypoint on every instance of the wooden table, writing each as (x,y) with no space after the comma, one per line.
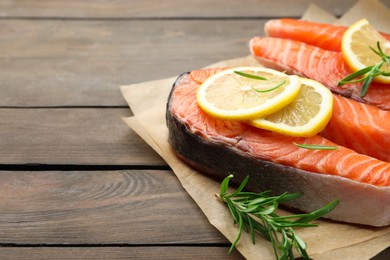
(76,182)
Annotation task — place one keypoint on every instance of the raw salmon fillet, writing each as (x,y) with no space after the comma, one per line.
(361,127)
(273,162)
(327,67)
(325,36)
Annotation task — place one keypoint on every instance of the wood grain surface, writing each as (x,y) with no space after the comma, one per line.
(83,63)
(165,9)
(104,253)
(138,207)
(72,136)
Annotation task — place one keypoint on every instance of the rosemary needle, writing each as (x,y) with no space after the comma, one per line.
(316,146)
(251,76)
(256,212)
(367,74)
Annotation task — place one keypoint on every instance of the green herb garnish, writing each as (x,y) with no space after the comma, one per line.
(367,74)
(251,76)
(256,212)
(270,89)
(316,146)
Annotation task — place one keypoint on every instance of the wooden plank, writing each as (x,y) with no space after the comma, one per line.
(150,252)
(83,63)
(172,8)
(72,136)
(154,252)
(100,207)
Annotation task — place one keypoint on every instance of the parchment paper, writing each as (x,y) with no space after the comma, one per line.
(330,240)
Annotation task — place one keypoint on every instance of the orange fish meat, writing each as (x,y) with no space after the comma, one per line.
(325,36)
(361,127)
(327,67)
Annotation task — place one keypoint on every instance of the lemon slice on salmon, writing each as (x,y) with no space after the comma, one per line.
(355,46)
(246,93)
(306,116)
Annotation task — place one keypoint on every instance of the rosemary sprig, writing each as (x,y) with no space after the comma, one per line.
(256,212)
(251,76)
(316,146)
(367,74)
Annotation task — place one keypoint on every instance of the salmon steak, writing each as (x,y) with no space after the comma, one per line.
(325,36)
(273,162)
(327,67)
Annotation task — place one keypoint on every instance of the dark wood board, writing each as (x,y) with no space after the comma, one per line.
(129,207)
(83,63)
(72,136)
(171,8)
(139,252)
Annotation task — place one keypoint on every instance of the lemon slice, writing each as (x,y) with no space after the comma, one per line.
(306,116)
(355,46)
(228,95)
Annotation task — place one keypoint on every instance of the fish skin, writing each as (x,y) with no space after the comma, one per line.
(206,144)
(325,36)
(327,67)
